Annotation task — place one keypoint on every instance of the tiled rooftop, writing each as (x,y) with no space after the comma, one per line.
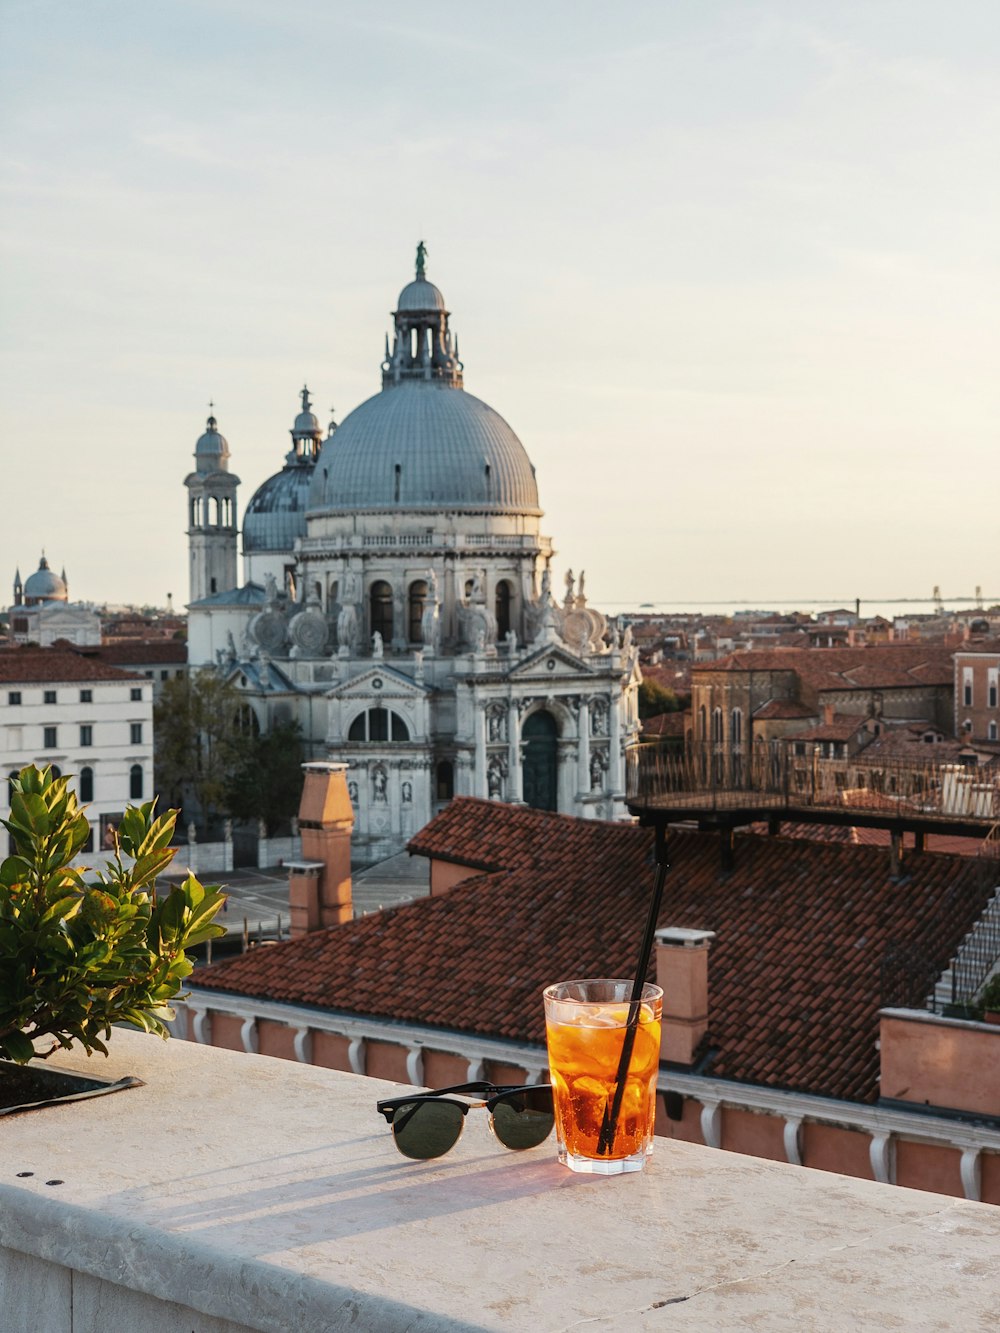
(801,929)
(142,651)
(28,665)
(885,666)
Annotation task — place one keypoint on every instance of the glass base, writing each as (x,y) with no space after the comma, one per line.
(603,1166)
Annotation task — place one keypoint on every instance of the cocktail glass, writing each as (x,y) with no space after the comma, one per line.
(586,1023)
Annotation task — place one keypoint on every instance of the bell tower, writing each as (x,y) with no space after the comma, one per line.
(212,530)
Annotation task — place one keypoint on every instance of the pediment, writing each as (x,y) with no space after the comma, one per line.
(536,667)
(379,682)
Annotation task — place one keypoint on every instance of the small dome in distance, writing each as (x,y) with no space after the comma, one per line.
(44,586)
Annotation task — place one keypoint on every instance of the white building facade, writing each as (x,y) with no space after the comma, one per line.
(399,607)
(90,721)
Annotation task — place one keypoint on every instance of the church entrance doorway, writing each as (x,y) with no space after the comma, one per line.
(541,765)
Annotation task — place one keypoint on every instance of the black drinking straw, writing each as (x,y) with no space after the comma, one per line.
(609,1125)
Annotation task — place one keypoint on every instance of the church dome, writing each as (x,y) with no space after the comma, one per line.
(420,445)
(420,295)
(44,585)
(423,442)
(276,515)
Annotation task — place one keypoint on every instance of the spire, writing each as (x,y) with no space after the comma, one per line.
(421,261)
(304,395)
(333,425)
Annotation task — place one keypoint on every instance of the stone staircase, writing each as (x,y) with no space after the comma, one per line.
(982,943)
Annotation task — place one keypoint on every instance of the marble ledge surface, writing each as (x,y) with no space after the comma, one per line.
(268,1194)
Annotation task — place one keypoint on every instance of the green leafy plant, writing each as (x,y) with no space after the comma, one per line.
(81,950)
(989,996)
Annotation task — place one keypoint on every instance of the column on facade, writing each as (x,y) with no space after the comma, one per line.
(515,777)
(480,727)
(584,750)
(617,782)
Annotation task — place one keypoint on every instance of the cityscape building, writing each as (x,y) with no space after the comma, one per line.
(41,612)
(84,718)
(398,602)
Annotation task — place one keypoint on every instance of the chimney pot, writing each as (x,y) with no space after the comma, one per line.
(319,885)
(682,973)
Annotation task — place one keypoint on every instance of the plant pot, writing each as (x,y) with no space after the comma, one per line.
(29,1087)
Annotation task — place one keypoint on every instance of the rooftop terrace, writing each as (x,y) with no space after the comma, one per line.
(239,1192)
(723,785)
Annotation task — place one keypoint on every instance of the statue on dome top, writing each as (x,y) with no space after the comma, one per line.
(421,259)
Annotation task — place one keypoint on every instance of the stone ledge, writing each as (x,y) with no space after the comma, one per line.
(268,1194)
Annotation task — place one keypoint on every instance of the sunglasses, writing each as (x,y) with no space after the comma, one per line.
(429,1124)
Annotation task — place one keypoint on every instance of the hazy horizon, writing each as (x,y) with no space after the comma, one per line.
(728,270)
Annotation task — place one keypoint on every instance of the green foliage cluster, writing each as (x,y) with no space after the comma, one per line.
(199,741)
(655,699)
(78,954)
(266,782)
(210,756)
(989,996)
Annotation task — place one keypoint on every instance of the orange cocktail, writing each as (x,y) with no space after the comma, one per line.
(586,1025)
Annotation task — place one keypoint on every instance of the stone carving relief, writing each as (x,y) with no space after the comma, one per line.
(407,793)
(309,631)
(496,723)
(496,777)
(352,791)
(348,619)
(380,785)
(477,627)
(598,717)
(598,768)
(269,630)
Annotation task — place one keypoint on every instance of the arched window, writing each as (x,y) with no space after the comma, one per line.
(502,608)
(246,721)
(56,771)
(702,728)
(716,724)
(445,780)
(378,725)
(135,782)
(87,784)
(736,726)
(381,610)
(418,600)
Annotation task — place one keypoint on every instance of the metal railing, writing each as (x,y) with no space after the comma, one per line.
(719,777)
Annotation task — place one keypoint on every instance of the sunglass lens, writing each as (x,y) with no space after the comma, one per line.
(423,1130)
(524,1119)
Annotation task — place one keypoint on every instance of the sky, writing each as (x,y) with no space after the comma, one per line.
(730,271)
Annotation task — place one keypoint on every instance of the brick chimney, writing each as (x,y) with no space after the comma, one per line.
(319,886)
(682,973)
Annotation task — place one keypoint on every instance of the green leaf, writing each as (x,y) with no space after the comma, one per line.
(29,812)
(17,1047)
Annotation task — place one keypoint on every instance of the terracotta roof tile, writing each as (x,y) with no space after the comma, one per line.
(28,665)
(801,927)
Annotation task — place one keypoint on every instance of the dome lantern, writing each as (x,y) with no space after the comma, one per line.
(422,346)
(306,433)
